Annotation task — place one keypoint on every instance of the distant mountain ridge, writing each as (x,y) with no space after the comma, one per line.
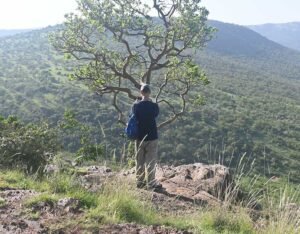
(245,46)
(11,32)
(287,34)
(236,40)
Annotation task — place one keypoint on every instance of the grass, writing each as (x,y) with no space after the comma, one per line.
(49,199)
(64,185)
(283,211)
(119,202)
(34,216)
(2,202)
(274,188)
(222,221)
(18,179)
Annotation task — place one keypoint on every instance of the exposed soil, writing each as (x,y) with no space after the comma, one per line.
(15,218)
(138,229)
(12,218)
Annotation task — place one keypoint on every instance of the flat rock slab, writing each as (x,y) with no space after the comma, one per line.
(200,183)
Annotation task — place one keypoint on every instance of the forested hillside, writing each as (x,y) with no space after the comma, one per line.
(287,34)
(252,104)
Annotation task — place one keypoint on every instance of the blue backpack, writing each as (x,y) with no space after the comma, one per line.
(131,129)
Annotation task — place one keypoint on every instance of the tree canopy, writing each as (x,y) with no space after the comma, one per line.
(121,43)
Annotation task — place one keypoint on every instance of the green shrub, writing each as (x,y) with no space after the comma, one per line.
(90,152)
(29,147)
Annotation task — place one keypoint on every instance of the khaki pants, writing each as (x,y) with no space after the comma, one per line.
(146,157)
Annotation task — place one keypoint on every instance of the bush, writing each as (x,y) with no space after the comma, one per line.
(90,152)
(29,147)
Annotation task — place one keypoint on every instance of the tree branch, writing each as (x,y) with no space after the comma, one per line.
(120,113)
(161,88)
(120,89)
(181,112)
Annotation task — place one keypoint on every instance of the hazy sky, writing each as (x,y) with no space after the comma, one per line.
(246,12)
(41,13)
(33,13)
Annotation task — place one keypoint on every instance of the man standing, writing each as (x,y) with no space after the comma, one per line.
(146,145)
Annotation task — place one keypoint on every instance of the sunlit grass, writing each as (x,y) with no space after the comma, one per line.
(18,179)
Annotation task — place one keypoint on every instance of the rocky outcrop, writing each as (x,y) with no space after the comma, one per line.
(95,176)
(196,183)
(200,183)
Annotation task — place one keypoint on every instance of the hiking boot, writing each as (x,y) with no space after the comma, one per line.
(140,185)
(156,186)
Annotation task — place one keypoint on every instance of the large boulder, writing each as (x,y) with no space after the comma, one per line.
(200,183)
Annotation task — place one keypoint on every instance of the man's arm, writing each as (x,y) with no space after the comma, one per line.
(156,110)
(133,109)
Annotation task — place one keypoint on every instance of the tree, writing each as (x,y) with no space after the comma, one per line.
(121,43)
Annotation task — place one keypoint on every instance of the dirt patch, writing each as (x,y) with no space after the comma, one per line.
(12,219)
(15,218)
(138,229)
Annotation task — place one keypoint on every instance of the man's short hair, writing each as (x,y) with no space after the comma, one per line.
(145,88)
